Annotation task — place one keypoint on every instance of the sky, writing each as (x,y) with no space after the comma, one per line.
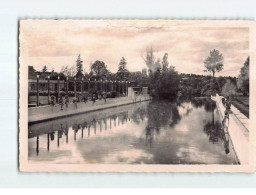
(57,43)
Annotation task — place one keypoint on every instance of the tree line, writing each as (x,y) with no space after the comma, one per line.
(162,78)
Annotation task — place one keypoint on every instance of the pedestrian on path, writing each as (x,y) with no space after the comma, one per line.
(52,100)
(66,101)
(61,102)
(75,101)
(227,105)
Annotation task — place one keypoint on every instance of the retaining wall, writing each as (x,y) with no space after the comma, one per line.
(237,132)
(43,113)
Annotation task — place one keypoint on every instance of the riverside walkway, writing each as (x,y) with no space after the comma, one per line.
(44,113)
(238,129)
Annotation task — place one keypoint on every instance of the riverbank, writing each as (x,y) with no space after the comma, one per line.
(238,129)
(242,104)
(45,113)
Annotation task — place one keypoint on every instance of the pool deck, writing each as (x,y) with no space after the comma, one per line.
(45,113)
(238,128)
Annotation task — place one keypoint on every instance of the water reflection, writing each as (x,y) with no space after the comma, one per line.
(180,132)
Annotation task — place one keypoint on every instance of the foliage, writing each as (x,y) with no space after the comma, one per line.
(44,69)
(157,65)
(243,78)
(99,70)
(122,73)
(165,62)
(150,58)
(214,62)
(55,75)
(229,88)
(139,79)
(79,67)
(164,85)
(68,71)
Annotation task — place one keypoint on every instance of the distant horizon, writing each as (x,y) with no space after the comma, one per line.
(57,43)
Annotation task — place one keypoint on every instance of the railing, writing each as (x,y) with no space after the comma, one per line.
(76,87)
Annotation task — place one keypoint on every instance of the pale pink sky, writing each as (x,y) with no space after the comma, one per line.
(57,43)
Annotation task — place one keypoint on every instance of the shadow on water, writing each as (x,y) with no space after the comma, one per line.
(184,131)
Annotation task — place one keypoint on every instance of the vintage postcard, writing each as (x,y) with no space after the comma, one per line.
(137,95)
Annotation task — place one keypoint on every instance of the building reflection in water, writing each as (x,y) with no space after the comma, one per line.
(156,117)
(83,126)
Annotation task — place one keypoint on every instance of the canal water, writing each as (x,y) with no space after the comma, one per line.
(162,132)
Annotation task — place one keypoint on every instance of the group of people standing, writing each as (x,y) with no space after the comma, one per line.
(64,100)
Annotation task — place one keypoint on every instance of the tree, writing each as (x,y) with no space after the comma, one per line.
(99,70)
(44,69)
(165,62)
(79,66)
(229,88)
(214,63)
(150,58)
(164,85)
(68,71)
(243,78)
(122,72)
(157,65)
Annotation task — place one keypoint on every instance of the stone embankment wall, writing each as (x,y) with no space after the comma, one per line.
(238,132)
(43,113)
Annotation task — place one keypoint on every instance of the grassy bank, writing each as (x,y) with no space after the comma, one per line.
(242,104)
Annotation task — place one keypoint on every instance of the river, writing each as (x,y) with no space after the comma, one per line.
(156,132)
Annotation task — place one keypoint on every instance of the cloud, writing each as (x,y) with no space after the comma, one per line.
(58,42)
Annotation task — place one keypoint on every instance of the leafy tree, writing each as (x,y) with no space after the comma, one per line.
(79,67)
(122,72)
(214,63)
(243,78)
(165,62)
(150,58)
(157,65)
(144,71)
(31,72)
(229,88)
(44,69)
(68,71)
(165,85)
(99,70)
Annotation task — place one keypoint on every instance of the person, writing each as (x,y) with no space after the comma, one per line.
(75,101)
(93,98)
(228,109)
(85,98)
(52,100)
(61,102)
(105,97)
(66,101)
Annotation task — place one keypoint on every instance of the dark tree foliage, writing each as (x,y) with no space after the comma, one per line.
(122,73)
(44,69)
(165,62)
(79,67)
(54,76)
(139,79)
(164,85)
(243,78)
(99,70)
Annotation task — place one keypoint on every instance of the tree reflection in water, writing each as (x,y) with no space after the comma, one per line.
(214,129)
(159,114)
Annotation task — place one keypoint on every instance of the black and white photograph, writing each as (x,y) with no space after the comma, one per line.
(135,96)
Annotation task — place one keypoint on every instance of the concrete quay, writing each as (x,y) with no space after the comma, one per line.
(238,129)
(49,112)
